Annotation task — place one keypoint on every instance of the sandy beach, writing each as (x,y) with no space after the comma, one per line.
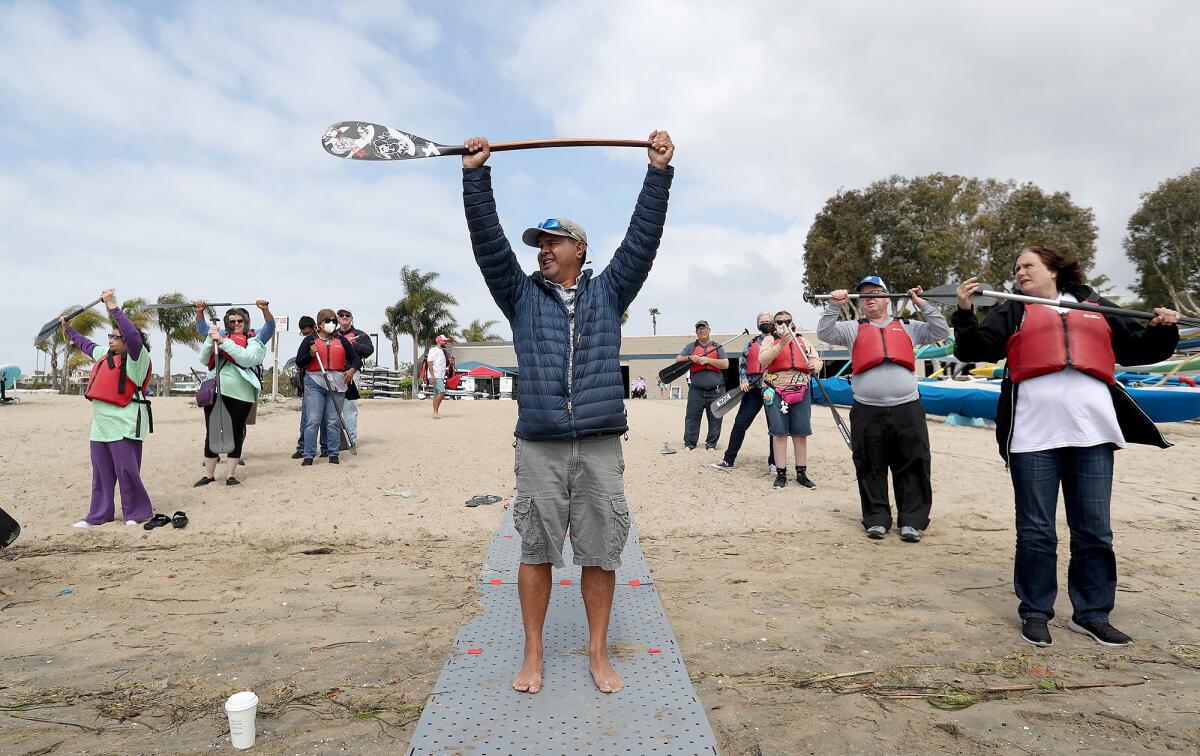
(336,598)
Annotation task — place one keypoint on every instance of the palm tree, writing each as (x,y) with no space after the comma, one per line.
(654,313)
(478,331)
(423,312)
(392,330)
(179,326)
(58,345)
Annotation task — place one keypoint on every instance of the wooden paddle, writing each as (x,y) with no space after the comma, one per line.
(678,369)
(360,140)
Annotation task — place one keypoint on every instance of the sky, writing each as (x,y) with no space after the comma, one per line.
(158,147)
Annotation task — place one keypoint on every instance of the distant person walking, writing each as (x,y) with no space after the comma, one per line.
(120,417)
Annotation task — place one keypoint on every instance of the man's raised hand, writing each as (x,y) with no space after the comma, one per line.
(661,150)
(478,152)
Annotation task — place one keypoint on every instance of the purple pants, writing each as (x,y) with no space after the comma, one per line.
(113,462)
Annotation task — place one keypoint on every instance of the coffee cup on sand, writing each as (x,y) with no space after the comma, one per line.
(242,708)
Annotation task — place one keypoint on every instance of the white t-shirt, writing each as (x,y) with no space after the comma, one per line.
(437,362)
(1067,408)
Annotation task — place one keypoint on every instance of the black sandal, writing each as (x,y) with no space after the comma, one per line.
(475,501)
(232,481)
(203,482)
(157,521)
(179,520)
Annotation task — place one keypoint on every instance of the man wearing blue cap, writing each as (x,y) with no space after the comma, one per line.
(566,326)
(887,421)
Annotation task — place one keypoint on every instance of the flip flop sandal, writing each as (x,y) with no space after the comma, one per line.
(157,521)
(475,501)
(179,520)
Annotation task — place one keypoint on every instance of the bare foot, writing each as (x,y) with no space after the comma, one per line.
(605,677)
(529,678)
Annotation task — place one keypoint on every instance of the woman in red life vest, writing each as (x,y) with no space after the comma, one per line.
(120,417)
(325,355)
(788,362)
(236,355)
(1061,415)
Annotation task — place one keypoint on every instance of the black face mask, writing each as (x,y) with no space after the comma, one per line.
(765,327)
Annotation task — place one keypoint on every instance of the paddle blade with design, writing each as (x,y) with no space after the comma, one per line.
(360,140)
(53,325)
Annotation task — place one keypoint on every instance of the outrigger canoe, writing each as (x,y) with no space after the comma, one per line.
(1163,404)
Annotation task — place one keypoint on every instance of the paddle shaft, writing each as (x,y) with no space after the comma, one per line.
(51,326)
(1104,309)
(538,144)
(337,408)
(183,305)
(677,369)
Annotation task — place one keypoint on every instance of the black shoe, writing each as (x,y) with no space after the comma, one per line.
(722,465)
(1101,632)
(802,477)
(333,460)
(241,461)
(780,479)
(307,462)
(232,481)
(203,482)
(876,532)
(1035,631)
(710,447)
(323,454)
(298,455)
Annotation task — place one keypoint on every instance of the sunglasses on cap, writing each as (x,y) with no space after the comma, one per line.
(552,224)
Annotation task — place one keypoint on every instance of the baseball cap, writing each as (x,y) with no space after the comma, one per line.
(441,340)
(554,227)
(702,323)
(871,281)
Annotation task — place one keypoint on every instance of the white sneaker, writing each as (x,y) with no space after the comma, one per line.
(131,523)
(81,524)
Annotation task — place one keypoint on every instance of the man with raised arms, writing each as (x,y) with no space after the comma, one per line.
(566,328)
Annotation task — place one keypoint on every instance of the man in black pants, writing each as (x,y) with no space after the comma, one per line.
(750,373)
(707,384)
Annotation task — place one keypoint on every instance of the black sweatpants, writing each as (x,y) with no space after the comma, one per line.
(751,405)
(895,439)
(238,412)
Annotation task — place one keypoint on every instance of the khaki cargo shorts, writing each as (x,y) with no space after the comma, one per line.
(576,485)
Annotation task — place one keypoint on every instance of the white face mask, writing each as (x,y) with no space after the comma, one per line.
(329,327)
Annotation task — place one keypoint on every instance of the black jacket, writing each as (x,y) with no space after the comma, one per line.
(365,348)
(1133,344)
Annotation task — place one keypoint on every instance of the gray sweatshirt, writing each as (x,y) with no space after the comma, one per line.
(887,384)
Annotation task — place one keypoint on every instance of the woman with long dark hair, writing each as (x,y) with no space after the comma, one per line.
(1061,415)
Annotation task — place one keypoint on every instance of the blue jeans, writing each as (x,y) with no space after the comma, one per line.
(318,403)
(1085,474)
(698,402)
(303,422)
(350,415)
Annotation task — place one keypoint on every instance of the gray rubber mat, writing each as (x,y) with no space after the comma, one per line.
(473,708)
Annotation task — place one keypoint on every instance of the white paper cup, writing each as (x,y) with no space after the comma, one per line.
(242,709)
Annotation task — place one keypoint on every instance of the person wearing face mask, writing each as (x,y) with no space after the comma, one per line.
(1060,416)
(887,419)
(120,417)
(237,356)
(365,348)
(325,355)
(750,370)
(788,363)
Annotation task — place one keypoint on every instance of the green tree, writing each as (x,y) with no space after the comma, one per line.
(654,313)
(423,312)
(940,228)
(479,330)
(179,327)
(1163,242)
(59,347)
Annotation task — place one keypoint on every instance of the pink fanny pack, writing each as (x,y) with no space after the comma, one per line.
(792,394)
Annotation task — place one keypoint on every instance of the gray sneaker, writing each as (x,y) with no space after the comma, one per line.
(876,532)
(909,533)
(722,465)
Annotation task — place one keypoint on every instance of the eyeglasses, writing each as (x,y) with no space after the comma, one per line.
(783,322)
(552,224)
(239,321)
(115,336)
(328,320)
(344,314)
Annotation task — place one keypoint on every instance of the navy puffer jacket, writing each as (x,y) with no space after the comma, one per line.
(541,332)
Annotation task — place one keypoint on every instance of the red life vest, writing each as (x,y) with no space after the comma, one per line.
(709,351)
(333,355)
(752,366)
(791,357)
(1048,341)
(874,346)
(240,339)
(108,381)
